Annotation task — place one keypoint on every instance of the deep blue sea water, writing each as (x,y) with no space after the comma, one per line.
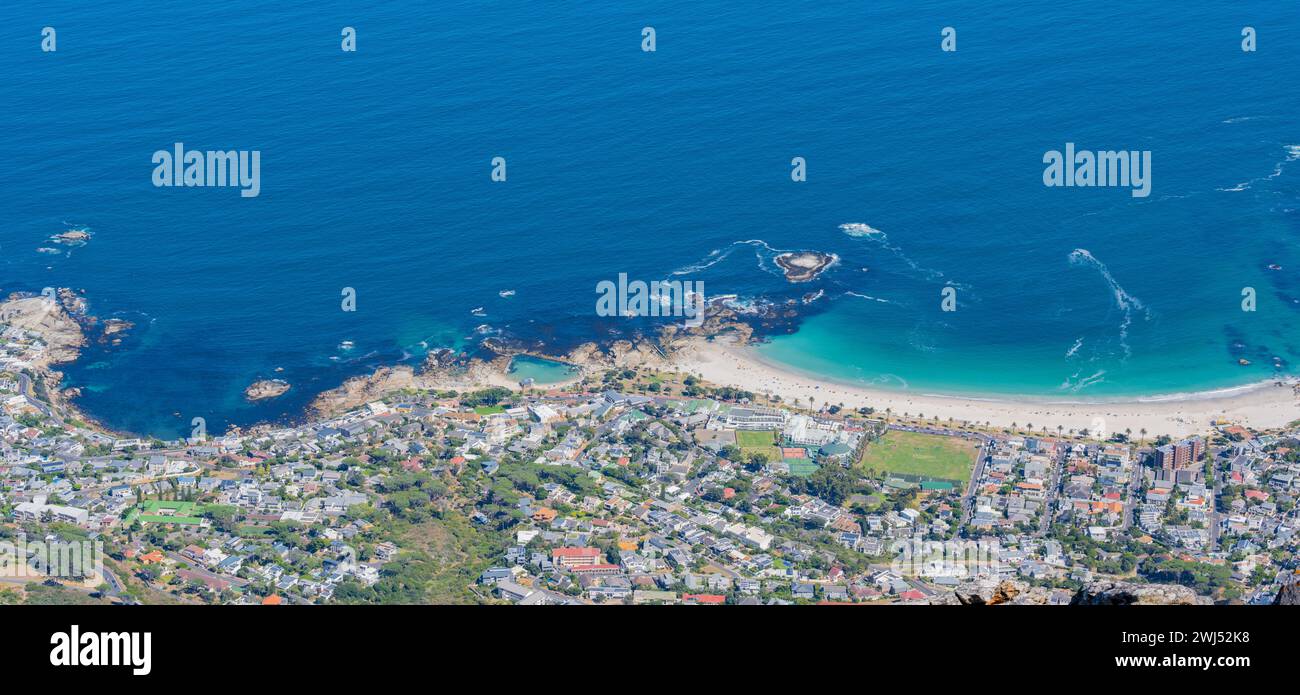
(375,176)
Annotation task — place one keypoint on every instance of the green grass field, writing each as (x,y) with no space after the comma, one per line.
(801,468)
(755,439)
(179,507)
(758,442)
(489,409)
(921,456)
(184,520)
(166,512)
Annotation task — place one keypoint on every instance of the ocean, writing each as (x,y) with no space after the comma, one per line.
(924,171)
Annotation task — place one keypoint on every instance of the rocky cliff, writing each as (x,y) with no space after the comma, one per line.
(1101,593)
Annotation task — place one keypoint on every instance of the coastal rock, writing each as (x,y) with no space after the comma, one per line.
(1109,593)
(113,330)
(266,388)
(987,593)
(1008,592)
(803,266)
(112,326)
(46,316)
(363,389)
(1101,593)
(440,358)
(619,354)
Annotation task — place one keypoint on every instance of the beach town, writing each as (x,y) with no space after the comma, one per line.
(696,475)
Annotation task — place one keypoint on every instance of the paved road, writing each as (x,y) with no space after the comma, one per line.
(1053,492)
(195,567)
(1214,506)
(1134,489)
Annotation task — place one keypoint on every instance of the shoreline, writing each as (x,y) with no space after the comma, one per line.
(1261,405)
(724,356)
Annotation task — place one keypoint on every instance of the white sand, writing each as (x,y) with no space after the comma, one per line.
(1260,406)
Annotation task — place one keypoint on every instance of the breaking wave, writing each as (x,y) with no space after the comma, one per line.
(717,256)
(1076,386)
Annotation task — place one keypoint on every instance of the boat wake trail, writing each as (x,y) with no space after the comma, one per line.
(1292,154)
(859,295)
(1125,302)
(860,230)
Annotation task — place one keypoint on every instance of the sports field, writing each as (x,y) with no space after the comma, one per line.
(921,456)
(758,442)
(750,438)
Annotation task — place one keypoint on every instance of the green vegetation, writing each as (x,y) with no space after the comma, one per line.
(915,456)
(55,595)
(166,512)
(755,439)
(488,397)
(1204,578)
(833,484)
(801,467)
(440,563)
(762,443)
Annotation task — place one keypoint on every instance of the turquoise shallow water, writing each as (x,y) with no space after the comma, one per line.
(541,371)
(375,176)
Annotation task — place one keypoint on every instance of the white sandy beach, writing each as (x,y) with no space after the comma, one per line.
(1261,406)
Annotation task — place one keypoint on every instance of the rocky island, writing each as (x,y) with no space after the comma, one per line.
(266,388)
(114,329)
(802,266)
(72,237)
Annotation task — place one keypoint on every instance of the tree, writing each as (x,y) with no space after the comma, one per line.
(833,484)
